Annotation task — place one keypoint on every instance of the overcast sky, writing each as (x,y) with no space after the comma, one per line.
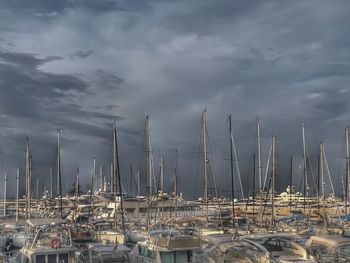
(79,65)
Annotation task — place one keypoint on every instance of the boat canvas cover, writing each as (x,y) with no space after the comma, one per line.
(36,222)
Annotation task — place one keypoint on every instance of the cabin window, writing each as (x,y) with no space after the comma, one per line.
(168,257)
(52,258)
(182,256)
(40,259)
(130,210)
(276,245)
(176,257)
(63,258)
(144,251)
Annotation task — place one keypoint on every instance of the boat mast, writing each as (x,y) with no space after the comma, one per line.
(28,179)
(232,177)
(17,195)
(94,177)
(205,163)
(59,174)
(77,186)
(318,182)
(305,192)
(161,183)
(291,184)
(100,180)
(37,191)
(175,181)
(235,159)
(347,178)
(148,167)
(149,156)
(114,173)
(254,173)
(50,183)
(5,193)
(138,183)
(259,153)
(322,177)
(30,184)
(118,175)
(91,209)
(261,190)
(273,177)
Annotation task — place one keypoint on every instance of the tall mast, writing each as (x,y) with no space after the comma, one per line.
(259,152)
(273,177)
(119,177)
(94,176)
(30,184)
(232,177)
(111,182)
(114,173)
(318,182)
(261,190)
(161,183)
(138,183)
(37,191)
(305,192)
(17,194)
(322,176)
(149,156)
(291,184)
(148,168)
(254,173)
(100,180)
(5,193)
(77,186)
(51,183)
(91,208)
(59,174)
(175,181)
(28,179)
(347,178)
(204,125)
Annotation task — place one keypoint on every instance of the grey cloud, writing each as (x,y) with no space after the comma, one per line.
(287,63)
(82,53)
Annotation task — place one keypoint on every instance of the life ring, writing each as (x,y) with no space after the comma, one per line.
(55,243)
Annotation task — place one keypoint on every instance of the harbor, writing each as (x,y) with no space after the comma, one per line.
(183,131)
(107,224)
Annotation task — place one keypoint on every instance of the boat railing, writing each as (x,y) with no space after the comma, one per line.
(38,241)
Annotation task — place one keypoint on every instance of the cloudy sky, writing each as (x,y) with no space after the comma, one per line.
(79,65)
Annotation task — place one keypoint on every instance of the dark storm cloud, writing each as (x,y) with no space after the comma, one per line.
(50,7)
(79,65)
(82,53)
(28,93)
